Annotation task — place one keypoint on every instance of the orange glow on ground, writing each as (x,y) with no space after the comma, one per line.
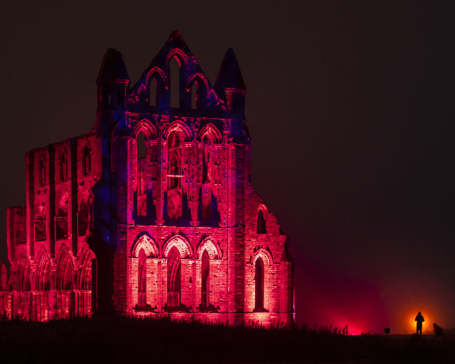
(410,325)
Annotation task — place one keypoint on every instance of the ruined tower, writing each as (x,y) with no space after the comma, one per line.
(152,212)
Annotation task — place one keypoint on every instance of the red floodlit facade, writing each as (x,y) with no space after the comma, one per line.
(152,212)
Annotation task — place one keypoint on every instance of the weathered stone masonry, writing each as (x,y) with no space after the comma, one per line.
(152,211)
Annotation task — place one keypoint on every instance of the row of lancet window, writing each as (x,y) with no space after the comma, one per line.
(156,89)
(66,284)
(62,169)
(174,280)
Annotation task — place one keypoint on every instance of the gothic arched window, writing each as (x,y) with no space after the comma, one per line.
(141,175)
(174,75)
(173,278)
(259,285)
(86,161)
(175,161)
(64,272)
(142,279)
(261,228)
(205,271)
(206,155)
(153,92)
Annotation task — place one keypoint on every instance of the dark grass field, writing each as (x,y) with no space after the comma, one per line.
(123,340)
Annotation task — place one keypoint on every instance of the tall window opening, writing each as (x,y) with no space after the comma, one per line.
(141,175)
(174,74)
(141,146)
(40,221)
(23,276)
(175,161)
(153,92)
(86,162)
(259,285)
(65,270)
(43,279)
(42,172)
(87,293)
(142,279)
(205,299)
(63,167)
(261,228)
(206,156)
(174,278)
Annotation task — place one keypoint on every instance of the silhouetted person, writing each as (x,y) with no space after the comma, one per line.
(419,319)
(438,331)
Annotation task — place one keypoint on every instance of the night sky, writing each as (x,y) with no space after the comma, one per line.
(351,110)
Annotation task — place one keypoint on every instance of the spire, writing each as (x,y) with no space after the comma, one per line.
(229,75)
(113,67)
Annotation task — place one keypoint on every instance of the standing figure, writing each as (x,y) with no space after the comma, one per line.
(419,318)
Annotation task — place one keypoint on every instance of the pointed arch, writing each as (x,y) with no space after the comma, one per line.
(180,57)
(212,248)
(147,244)
(155,86)
(145,126)
(181,244)
(23,282)
(211,132)
(261,223)
(85,271)
(199,81)
(155,73)
(264,254)
(181,128)
(64,270)
(43,271)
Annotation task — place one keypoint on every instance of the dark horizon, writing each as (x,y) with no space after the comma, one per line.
(349,107)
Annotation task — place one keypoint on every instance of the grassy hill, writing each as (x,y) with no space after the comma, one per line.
(123,340)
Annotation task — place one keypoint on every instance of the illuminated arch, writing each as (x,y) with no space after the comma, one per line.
(180,57)
(211,132)
(264,254)
(145,242)
(64,270)
(195,78)
(261,221)
(146,127)
(212,248)
(44,267)
(182,245)
(22,281)
(201,92)
(156,73)
(181,128)
(85,271)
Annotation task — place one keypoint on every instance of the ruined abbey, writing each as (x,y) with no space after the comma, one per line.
(152,212)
